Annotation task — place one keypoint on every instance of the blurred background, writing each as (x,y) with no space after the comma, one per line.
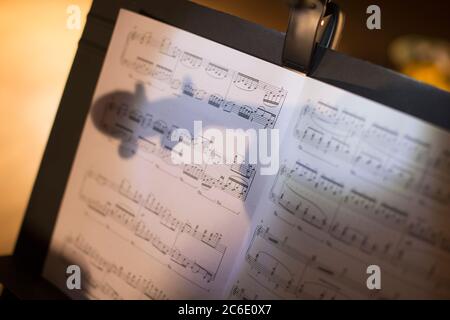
(37,50)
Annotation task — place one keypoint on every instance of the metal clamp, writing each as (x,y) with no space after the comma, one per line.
(311,23)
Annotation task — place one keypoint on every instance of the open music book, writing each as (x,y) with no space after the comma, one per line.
(355,184)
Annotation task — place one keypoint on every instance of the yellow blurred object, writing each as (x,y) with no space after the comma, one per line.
(427,73)
(424,59)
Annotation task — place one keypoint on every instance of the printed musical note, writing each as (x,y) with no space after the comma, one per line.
(413,150)
(245,82)
(144,285)
(191,91)
(419,230)
(381,212)
(436,189)
(273,97)
(354,237)
(137,44)
(168,49)
(162,73)
(126,217)
(215,100)
(301,207)
(320,291)
(270,96)
(240,293)
(245,170)
(381,138)
(191,61)
(216,71)
(309,178)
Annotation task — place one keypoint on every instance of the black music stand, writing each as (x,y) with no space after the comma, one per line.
(21,273)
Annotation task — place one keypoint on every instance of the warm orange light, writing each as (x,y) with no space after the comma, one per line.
(36,55)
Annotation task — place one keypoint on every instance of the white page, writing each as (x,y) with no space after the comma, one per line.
(361,185)
(137,225)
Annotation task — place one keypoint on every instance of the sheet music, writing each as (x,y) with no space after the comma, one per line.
(138,225)
(360,185)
